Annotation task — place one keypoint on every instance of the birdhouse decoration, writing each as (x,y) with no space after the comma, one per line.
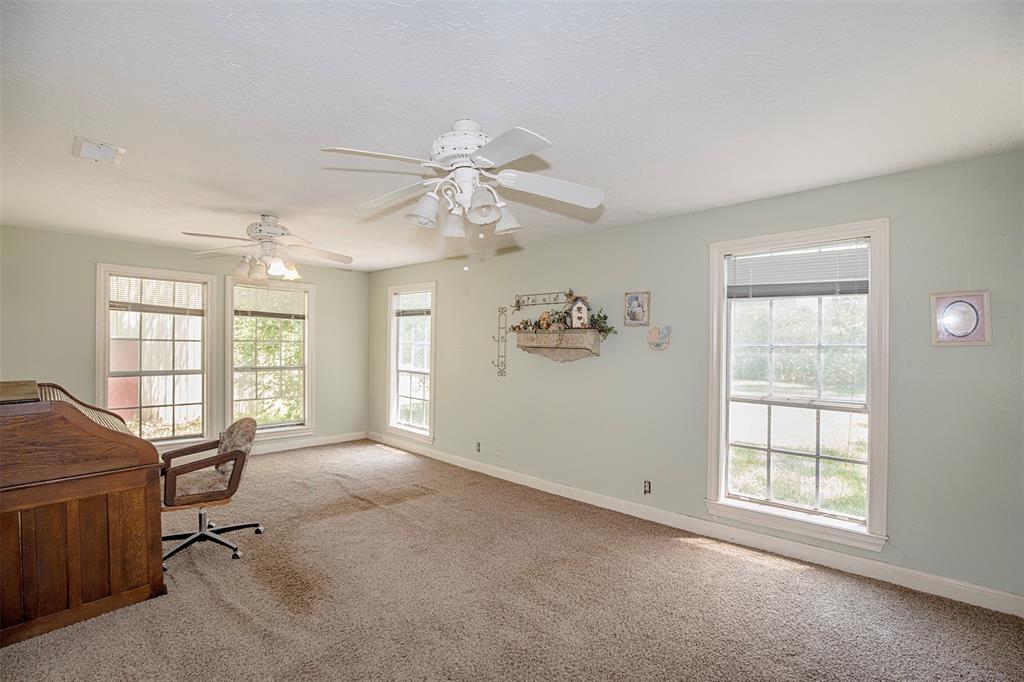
(579,313)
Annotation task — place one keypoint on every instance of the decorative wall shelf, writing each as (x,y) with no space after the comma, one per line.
(563,346)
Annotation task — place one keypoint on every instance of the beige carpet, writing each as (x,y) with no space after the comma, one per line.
(378,564)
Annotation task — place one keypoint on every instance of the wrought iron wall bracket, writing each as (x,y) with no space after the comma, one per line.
(521,301)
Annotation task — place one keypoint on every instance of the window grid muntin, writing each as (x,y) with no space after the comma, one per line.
(174,311)
(817,403)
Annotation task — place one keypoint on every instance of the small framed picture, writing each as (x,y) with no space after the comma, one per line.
(637,309)
(961,319)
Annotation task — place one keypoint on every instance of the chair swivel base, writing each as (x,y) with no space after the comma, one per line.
(208,533)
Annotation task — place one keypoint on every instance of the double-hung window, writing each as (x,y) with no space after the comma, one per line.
(269,332)
(411,359)
(153,355)
(799,434)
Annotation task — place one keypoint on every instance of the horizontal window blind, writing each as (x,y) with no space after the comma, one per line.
(831,268)
(155,295)
(413,304)
(276,303)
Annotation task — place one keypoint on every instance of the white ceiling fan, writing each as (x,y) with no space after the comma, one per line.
(268,251)
(468,156)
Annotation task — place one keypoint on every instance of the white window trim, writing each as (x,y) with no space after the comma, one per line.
(103,273)
(872,535)
(392,426)
(279,432)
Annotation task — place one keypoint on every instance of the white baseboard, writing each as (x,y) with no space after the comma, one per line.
(986,597)
(284,444)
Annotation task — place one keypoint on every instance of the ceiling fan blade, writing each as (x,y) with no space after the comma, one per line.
(396,195)
(218,236)
(552,188)
(320,253)
(222,249)
(509,146)
(379,155)
(291,240)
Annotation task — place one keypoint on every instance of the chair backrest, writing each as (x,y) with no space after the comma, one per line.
(238,436)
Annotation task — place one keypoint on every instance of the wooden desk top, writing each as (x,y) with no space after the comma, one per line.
(18,392)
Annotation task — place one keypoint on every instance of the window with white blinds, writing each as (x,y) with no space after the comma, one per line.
(410,367)
(269,378)
(819,270)
(153,354)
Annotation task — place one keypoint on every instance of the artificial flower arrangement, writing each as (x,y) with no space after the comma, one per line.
(559,320)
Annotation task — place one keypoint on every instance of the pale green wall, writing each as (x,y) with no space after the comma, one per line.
(48,325)
(956,473)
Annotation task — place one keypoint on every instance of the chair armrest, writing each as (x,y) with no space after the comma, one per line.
(190,450)
(171,498)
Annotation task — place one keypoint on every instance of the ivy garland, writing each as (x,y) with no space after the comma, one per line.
(558,320)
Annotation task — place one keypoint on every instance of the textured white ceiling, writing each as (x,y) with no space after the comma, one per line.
(669,107)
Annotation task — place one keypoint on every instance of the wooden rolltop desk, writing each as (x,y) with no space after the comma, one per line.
(79,512)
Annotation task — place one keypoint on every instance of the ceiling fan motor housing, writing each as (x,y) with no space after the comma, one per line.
(452,147)
(266,228)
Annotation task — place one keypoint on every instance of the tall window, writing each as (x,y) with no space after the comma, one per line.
(153,356)
(411,358)
(269,348)
(797,352)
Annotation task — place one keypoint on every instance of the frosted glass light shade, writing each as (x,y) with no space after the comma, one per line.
(425,212)
(453,226)
(507,223)
(482,207)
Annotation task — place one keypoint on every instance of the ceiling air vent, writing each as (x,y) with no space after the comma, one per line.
(97,151)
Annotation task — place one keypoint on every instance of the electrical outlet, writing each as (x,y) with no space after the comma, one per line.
(647,487)
(478,446)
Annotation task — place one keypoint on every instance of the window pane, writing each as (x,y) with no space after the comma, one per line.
(246,408)
(795,321)
(415,301)
(748,472)
(156,422)
(156,355)
(293,330)
(795,372)
(793,479)
(404,355)
(268,354)
(131,418)
(749,322)
(421,330)
(278,411)
(844,320)
(268,384)
(268,329)
(244,385)
(794,428)
(188,327)
(749,371)
(418,413)
(291,383)
(419,386)
(291,354)
(188,355)
(124,324)
(123,392)
(188,388)
(419,357)
(245,354)
(748,424)
(157,326)
(245,328)
(188,420)
(844,373)
(844,434)
(157,390)
(405,329)
(844,487)
(124,356)
(404,410)
(404,384)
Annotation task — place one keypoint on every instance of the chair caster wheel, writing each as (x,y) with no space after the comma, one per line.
(210,524)
(165,568)
(237,554)
(259,530)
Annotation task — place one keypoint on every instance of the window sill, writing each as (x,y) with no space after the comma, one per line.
(168,445)
(790,521)
(283,432)
(412,434)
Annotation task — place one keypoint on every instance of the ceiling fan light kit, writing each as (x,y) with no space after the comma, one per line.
(467,191)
